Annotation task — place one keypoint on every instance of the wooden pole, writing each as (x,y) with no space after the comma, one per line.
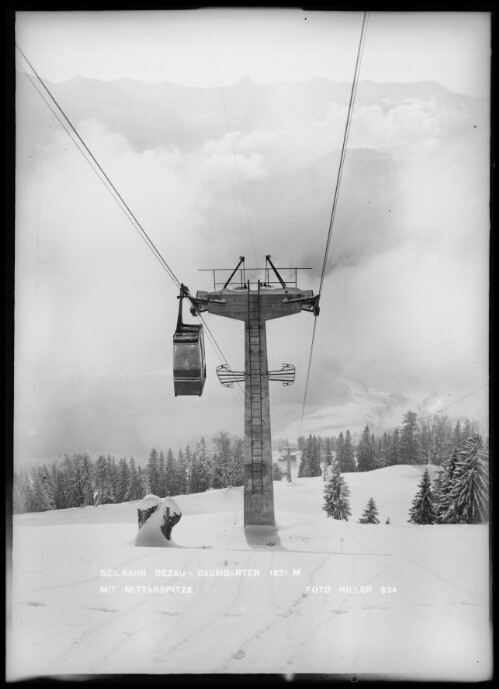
(288,467)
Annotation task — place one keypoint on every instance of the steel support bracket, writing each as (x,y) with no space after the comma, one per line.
(228,377)
(285,375)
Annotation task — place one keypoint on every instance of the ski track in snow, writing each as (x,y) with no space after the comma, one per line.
(243,650)
(200,633)
(122,565)
(130,636)
(442,580)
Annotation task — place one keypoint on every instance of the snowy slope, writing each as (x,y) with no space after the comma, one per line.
(313,595)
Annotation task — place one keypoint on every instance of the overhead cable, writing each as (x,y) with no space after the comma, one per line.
(102,174)
(72,132)
(336,194)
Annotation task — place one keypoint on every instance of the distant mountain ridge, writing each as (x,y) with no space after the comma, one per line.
(167,114)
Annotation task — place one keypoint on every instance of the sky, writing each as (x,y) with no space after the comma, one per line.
(403,322)
(207,46)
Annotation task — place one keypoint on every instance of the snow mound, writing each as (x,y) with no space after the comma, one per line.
(150,534)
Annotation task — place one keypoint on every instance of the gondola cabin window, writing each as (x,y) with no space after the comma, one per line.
(187,357)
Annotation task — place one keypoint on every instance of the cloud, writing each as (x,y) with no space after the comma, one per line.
(404,303)
(365,406)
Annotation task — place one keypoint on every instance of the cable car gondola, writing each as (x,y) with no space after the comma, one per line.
(189,364)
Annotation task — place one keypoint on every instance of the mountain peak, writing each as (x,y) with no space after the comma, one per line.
(246,81)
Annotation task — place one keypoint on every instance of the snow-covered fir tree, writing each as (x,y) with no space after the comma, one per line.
(188,458)
(237,478)
(217,480)
(223,445)
(457,435)
(40,501)
(348,464)
(314,461)
(366,453)
(276,472)
(436,439)
(57,480)
(384,450)
(104,481)
(161,475)
(423,506)
(469,428)
(310,463)
(193,470)
(153,471)
(380,454)
(345,453)
(123,480)
(304,466)
(202,452)
(374,450)
(203,469)
(438,493)
(443,485)
(113,474)
(410,445)
(468,498)
(229,465)
(45,478)
(144,482)
(171,474)
(328,451)
(78,480)
(135,487)
(21,492)
(60,483)
(340,446)
(88,480)
(199,478)
(70,484)
(182,473)
(336,494)
(370,514)
(393,456)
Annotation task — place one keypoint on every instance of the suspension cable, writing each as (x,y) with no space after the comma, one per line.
(94,168)
(106,181)
(353,93)
(441,409)
(135,223)
(345,142)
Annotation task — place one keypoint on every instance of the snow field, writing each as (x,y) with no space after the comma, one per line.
(395,599)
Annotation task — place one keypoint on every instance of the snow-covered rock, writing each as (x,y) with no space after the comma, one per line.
(156,531)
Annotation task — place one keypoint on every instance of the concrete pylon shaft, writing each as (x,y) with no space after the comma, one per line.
(258,485)
(255,307)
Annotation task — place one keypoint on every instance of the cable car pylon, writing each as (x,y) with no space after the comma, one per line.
(256,302)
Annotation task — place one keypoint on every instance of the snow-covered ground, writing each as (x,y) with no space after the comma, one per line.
(313,595)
